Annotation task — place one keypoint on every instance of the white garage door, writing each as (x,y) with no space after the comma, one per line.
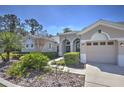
(101,52)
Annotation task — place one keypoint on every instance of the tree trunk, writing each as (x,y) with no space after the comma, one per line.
(32,31)
(8,55)
(3,58)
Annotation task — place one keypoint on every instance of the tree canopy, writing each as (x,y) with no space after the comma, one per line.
(34,24)
(9,22)
(9,41)
(66,30)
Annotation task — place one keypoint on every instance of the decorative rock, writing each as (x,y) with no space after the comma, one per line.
(40,79)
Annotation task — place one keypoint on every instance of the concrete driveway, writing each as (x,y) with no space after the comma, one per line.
(104,75)
(109,68)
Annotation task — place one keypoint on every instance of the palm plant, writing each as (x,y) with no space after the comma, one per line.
(9,41)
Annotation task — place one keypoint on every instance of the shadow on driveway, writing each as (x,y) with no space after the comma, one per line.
(109,68)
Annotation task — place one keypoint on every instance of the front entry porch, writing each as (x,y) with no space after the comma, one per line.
(69,46)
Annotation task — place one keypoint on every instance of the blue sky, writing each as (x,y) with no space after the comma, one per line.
(55,18)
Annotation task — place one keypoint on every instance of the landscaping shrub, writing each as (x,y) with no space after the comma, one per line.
(12,55)
(51,55)
(60,62)
(35,60)
(71,58)
(29,62)
(5,55)
(16,56)
(47,69)
(17,70)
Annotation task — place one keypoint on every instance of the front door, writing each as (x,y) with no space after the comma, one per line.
(67,48)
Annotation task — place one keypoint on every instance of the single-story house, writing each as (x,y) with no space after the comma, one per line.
(34,43)
(101,42)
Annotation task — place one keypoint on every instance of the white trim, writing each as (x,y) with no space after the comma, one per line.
(82,58)
(102,22)
(104,33)
(65,39)
(75,38)
(121,60)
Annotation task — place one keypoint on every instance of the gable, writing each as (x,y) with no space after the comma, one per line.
(112,32)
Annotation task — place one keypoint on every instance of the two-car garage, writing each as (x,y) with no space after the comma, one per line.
(101,51)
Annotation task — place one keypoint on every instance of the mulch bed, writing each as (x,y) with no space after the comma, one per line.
(52,79)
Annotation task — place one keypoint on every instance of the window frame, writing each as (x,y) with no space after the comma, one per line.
(32,45)
(102,43)
(95,43)
(27,46)
(110,43)
(88,43)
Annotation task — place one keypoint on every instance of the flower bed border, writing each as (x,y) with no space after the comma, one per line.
(7,83)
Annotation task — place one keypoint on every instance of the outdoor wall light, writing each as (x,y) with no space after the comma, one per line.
(122,44)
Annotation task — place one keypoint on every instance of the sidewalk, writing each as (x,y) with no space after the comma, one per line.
(68,69)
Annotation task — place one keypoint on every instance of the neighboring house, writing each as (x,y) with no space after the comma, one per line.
(101,42)
(32,43)
(56,38)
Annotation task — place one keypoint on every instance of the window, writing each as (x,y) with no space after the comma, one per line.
(102,43)
(50,45)
(31,45)
(110,43)
(95,43)
(99,31)
(88,44)
(68,43)
(27,45)
(67,48)
(78,46)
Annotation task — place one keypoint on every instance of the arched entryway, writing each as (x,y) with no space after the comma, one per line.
(76,45)
(66,46)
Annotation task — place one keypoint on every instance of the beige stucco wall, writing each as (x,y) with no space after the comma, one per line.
(112,32)
(116,53)
(69,36)
(52,49)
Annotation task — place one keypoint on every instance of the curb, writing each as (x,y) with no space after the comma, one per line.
(7,83)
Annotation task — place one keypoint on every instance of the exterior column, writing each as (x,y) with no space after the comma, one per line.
(60,50)
(71,45)
(82,52)
(121,53)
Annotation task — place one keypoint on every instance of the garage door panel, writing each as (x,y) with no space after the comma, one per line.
(101,53)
